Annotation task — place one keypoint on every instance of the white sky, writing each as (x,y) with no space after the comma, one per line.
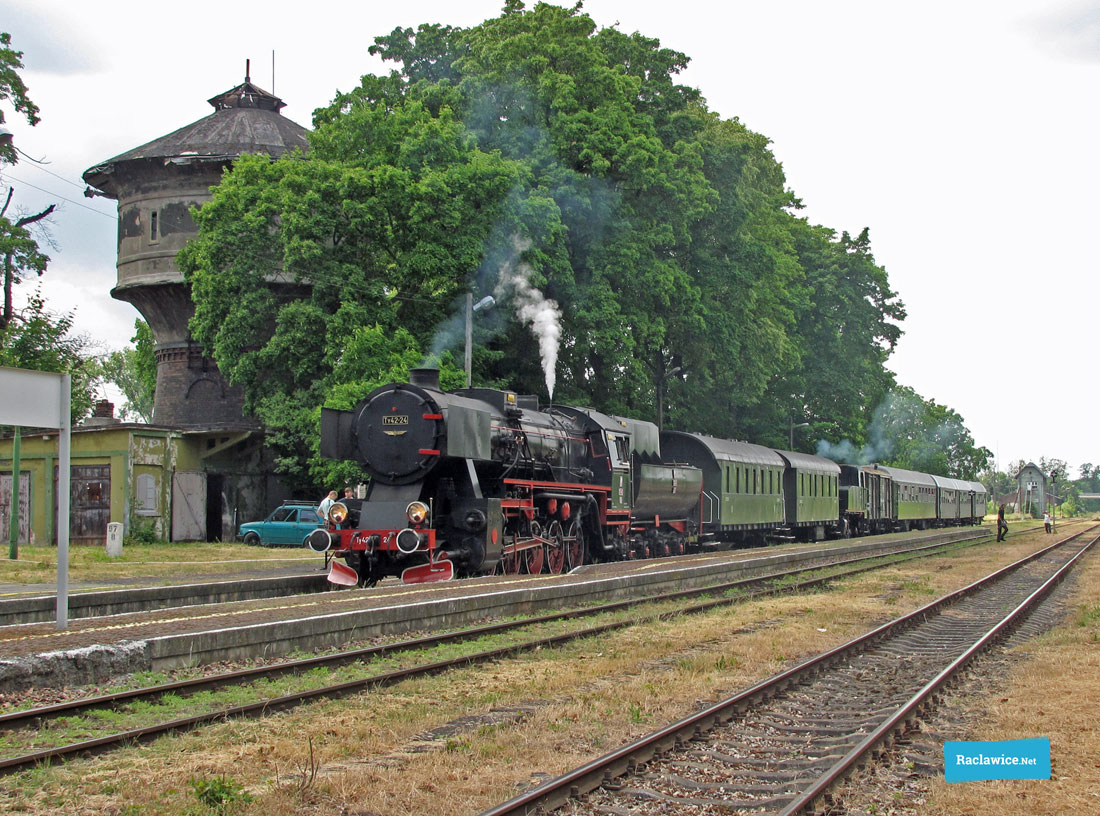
(964,134)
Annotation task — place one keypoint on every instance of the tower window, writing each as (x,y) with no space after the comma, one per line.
(153,227)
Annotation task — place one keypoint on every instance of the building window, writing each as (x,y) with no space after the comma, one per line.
(146,499)
(153,234)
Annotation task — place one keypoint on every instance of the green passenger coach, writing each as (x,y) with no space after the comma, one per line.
(812,487)
(915,498)
(742,499)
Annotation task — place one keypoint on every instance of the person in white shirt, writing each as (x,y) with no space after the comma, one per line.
(326,504)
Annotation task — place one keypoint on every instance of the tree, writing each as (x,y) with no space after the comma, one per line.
(33,337)
(650,244)
(40,340)
(13,90)
(134,372)
(18,248)
(910,432)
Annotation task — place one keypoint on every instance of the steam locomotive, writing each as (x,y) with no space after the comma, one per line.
(478,480)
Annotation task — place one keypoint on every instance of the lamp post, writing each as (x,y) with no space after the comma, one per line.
(471,307)
(661,395)
(794,425)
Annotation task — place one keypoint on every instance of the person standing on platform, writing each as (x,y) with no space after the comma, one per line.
(326,504)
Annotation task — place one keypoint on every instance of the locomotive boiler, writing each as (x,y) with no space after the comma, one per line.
(479,480)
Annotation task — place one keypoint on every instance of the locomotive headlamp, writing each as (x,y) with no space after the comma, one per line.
(338,513)
(417,512)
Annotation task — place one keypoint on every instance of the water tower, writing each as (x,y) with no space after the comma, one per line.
(156,185)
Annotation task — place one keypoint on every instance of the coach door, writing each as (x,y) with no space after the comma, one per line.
(622,494)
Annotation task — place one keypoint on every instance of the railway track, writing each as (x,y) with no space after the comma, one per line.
(780,746)
(33,725)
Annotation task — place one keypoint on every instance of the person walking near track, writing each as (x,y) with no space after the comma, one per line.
(1002,525)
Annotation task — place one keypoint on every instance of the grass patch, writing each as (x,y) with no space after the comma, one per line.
(162,562)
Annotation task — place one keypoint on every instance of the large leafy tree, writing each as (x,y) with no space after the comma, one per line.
(920,434)
(134,371)
(562,168)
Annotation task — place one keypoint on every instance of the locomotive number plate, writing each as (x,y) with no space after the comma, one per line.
(396,419)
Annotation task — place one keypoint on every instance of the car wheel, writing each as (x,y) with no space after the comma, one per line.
(252,539)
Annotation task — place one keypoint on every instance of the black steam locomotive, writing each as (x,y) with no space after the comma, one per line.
(478,480)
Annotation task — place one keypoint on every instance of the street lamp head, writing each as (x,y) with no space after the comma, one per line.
(485,303)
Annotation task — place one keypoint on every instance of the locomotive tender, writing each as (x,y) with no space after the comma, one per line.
(478,480)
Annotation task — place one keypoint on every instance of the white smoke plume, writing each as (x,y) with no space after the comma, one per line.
(532,307)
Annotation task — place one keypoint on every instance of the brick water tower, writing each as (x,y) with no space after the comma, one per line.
(155,186)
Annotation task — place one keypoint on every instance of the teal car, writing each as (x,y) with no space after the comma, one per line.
(288,526)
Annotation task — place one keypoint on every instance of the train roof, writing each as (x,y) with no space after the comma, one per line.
(809,462)
(907,476)
(953,484)
(725,450)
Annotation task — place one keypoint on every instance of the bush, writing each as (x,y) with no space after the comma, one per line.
(219,793)
(143,532)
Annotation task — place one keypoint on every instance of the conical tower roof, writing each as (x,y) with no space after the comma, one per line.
(246,119)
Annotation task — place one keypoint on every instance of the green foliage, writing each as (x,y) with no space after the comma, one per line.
(33,337)
(536,144)
(13,90)
(143,532)
(134,372)
(219,793)
(41,340)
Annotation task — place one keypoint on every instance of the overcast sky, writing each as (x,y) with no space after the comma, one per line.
(963,134)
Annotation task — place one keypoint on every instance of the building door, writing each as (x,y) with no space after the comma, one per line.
(24,507)
(188,505)
(215,503)
(89,503)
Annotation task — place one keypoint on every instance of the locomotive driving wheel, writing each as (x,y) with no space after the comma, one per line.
(535,557)
(510,563)
(555,548)
(574,546)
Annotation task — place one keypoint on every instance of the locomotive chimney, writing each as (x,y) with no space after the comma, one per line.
(425,378)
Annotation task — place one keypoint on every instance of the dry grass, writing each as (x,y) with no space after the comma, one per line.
(1055,693)
(461,742)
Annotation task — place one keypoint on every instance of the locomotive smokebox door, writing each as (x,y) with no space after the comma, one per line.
(398,435)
